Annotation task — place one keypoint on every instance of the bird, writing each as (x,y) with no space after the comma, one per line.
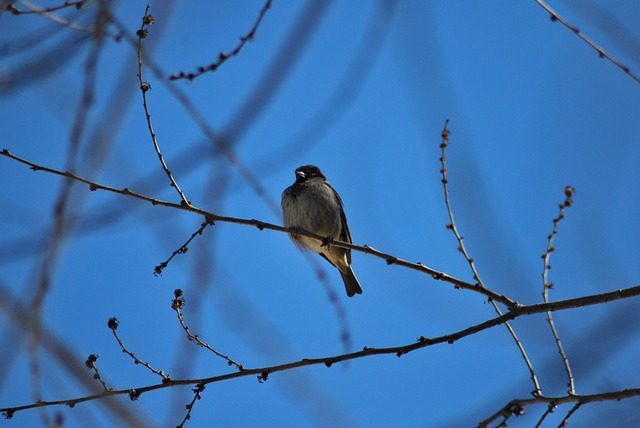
(311,204)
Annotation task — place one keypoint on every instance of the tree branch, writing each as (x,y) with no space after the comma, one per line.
(422,342)
(212,218)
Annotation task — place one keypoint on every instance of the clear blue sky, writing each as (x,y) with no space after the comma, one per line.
(361,89)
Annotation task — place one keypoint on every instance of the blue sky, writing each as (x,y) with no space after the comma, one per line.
(361,89)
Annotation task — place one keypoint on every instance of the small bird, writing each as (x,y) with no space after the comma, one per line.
(313,205)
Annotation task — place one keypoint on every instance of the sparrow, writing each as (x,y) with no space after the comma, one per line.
(311,204)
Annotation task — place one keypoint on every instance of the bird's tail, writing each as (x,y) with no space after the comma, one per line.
(350,281)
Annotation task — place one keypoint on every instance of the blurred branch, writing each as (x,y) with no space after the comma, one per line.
(48,13)
(33,9)
(58,351)
(569,192)
(63,221)
(601,52)
(422,342)
(211,218)
(461,247)
(144,88)
(222,56)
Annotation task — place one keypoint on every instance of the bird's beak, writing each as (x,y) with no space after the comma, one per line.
(300,174)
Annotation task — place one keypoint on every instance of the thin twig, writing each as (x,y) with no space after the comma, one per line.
(565,421)
(569,192)
(601,52)
(476,276)
(144,88)
(182,250)
(91,364)
(516,407)
(546,413)
(177,304)
(48,14)
(421,342)
(223,56)
(217,140)
(197,391)
(113,326)
(40,10)
(211,217)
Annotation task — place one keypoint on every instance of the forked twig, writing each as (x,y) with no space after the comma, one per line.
(452,226)
(569,192)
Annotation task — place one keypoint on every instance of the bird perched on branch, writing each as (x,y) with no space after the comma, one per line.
(311,204)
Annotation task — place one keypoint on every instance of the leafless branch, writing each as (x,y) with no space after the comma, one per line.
(261,225)
(601,52)
(516,407)
(182,250)
(223,56)
(177,304)
(461,247)
(33,9)
(197,391)
(569,192)
(144,88)
(422,342)
(113,326)
(48,13)
(91,365)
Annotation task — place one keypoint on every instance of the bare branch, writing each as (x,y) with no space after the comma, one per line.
(35,10)
(421,342)
(222,56)
(452,226)
(177,304)
(569,192)
(197,390)
(91,365)
(388,258)
(182,250)
(601,52)
(144,88)
(113,326)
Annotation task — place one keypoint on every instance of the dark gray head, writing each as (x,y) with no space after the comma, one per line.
(307,172)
